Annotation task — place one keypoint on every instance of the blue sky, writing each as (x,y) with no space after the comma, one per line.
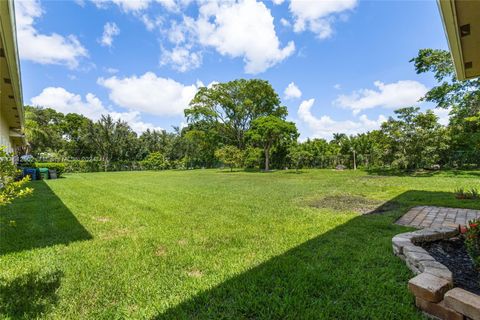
(345,62)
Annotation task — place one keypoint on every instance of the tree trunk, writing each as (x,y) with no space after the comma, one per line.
(267,160)
(105,163)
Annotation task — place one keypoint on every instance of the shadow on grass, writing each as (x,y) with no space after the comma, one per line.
(423,173)
(349,272)
(40,220)
(29,296)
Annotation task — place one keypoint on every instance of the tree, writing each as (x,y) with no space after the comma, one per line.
(155,161)
(414,139)
(252,157)
(74,131)
(43,130)
(113,140)
(229,108)
(461,98)
(267,131)
(299,156)
(230,156)
(10,188)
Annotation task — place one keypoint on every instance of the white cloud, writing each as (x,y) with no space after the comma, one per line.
(325,126)
(133,118)
(91,107)
(278,2)
(111,70)
(110,30)
(391,95)
(181,59)
(66,102)
(241,29)
(125,5)
(137,6)
(443,115)
(292,91)
(44,48)
(284,22)
(149,93)
(151,23)
(337,86)
(318,16)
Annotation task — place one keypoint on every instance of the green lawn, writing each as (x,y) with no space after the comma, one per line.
(210,244)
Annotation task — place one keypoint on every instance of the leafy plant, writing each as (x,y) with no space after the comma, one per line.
(461,193)
(472,240)
(155,161)
(230,156)
(10,187)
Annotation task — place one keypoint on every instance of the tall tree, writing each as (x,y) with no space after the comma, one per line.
(229,108)
(461,98)
(111,140)
(267,131)
(415,139)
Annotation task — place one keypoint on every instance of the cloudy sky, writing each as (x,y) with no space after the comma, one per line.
(339,66)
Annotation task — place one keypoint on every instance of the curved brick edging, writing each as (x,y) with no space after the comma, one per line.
(432,285)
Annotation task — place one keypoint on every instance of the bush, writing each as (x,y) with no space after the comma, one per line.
(57,166)
(230,156)
(155,161)
(10,186)
(460,193)
(472,241)
(252,157)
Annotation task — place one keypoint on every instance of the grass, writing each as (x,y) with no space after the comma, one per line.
(211,244)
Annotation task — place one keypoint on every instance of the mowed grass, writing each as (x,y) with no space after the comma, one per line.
(209,244)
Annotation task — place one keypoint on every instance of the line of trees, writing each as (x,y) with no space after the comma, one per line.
(242,123)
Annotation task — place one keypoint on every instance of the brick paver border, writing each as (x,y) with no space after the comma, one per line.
(434,217)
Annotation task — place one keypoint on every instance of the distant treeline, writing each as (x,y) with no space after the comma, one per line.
(242,123)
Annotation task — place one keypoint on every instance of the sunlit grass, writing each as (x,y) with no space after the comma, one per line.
(211,244)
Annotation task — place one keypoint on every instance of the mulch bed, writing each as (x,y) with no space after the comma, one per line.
(452,254)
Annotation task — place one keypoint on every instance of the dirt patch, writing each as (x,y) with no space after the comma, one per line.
(359,204)
(195,273)
(102,219)
(161,251)
(182,242)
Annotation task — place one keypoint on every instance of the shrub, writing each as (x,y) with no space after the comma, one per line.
(57,166)
(155,161)
(461,193)
(472,241)
(252,157)
(10,186)
(230,156)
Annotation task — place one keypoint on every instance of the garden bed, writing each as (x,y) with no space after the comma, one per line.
(453,254)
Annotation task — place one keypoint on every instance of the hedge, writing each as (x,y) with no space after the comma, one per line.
(59,167)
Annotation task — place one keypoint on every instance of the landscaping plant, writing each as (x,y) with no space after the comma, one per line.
(461,193)
(472,241)
(10,187)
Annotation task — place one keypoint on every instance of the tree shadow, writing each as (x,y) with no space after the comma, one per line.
(37,221)
(349,272)
(422,173)
(29,296)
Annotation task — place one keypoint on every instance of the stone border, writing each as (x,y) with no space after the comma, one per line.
(433,283)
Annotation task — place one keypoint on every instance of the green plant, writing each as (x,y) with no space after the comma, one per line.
(155,161)
(230,156)
(461,193)
(59,167)
(472,240)
(10,186)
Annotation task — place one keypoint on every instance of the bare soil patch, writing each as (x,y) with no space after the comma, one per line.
(359,204)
